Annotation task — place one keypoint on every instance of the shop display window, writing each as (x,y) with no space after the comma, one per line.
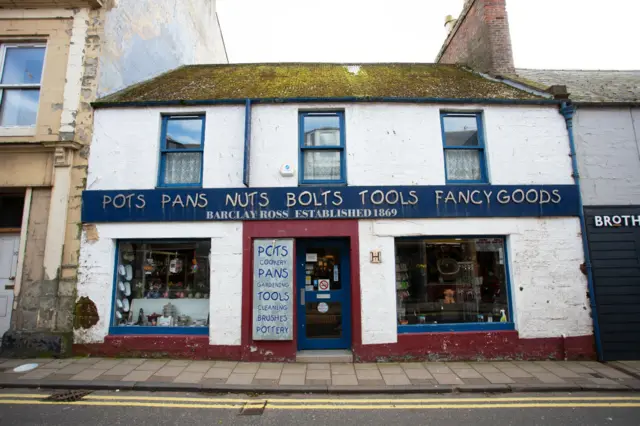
(162,284)
(453,281)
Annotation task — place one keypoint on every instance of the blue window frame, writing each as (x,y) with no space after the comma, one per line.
(154,276)
(181,151)
(322,148)
(464,149)
(450,284)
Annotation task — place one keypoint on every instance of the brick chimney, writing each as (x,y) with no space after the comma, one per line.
(480,39)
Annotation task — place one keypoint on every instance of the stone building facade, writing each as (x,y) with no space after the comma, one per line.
(56,57)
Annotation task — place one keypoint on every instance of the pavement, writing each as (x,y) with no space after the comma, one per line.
(108,408)
(231,376)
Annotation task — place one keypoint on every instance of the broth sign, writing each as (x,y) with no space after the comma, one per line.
(272,289)
(348,202)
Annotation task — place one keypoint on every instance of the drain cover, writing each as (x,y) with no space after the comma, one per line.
(68,396)
(253,408)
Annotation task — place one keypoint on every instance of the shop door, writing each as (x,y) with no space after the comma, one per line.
(324,294)
(9,244)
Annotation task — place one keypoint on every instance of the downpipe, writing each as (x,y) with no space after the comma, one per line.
(568,111)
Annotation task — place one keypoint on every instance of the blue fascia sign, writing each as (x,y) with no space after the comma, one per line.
(348,202)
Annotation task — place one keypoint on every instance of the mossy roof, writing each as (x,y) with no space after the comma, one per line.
(267,81)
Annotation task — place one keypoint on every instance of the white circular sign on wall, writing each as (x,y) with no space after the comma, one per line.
(323,308)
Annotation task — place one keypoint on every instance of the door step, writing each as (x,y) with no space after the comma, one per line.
(321,356)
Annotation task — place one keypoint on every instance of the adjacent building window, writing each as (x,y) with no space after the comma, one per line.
(162,286)
(452,281)
(181,150)
(463,142)
(21,76)
(11,206)
(322,156)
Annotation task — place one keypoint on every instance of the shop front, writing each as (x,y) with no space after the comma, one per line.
(422,272)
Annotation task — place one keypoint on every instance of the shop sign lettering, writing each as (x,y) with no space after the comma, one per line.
(349,202)
(272,289)
(616,221)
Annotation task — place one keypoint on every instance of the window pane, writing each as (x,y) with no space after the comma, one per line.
(463,164)
(23,65)
(19,107)
(321,131)
(162,284)
(451,281)
(460,131)
(321,165)
(184,133)
(182,167)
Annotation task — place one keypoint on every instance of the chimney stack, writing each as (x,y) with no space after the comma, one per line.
(481,38)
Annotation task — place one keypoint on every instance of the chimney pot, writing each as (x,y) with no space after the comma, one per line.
(449,23)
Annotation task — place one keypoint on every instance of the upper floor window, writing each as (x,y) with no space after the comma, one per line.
(181,150)
(463,147)
(21,71)
(322,156)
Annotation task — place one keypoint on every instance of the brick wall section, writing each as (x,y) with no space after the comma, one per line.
(480,39)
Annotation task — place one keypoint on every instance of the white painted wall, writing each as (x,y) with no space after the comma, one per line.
(125,152)
(144,38)
(97,261)
(386,144)
(544,257)
(75,71)
(608,148)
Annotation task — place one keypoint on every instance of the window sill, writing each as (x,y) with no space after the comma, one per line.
(180,186)
(316,184)
(452,328)
(467,182)
(18,131)
(134,329)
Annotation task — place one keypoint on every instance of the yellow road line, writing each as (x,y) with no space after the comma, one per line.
(438,400)
(121,404)
(327,400)
(449,406)
(329,407)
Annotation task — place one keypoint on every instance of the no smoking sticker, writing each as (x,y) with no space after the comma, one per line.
(323,285)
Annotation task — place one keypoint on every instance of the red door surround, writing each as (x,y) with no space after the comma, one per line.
(286,350)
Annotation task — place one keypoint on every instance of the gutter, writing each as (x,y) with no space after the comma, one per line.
(568,110)
(607,104)
(345,99)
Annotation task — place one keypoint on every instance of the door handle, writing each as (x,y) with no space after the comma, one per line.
(302,297)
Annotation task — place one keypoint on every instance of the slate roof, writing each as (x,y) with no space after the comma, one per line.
(307,80)
(588,86)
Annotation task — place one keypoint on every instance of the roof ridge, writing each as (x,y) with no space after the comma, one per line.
(320,63)
(575,69)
